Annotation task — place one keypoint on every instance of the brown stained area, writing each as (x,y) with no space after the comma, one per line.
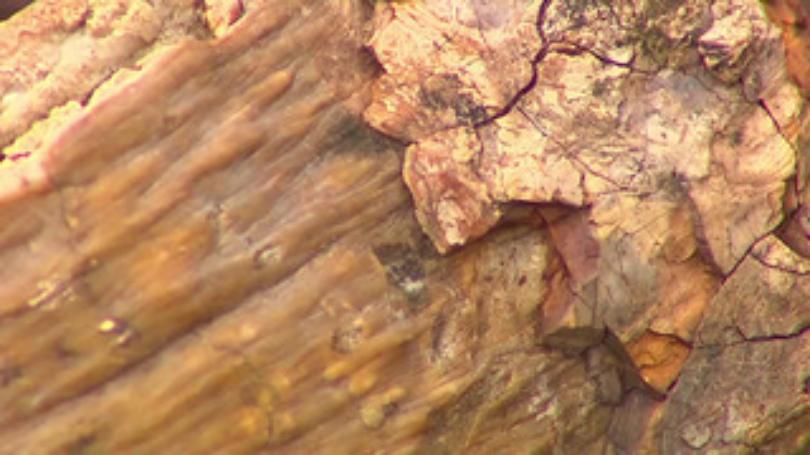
(660,358)
(464,208)
(793,16)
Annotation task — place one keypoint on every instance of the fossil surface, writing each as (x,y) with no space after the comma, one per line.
(265,226)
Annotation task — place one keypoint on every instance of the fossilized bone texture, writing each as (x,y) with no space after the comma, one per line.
(676,127)
(588,103)
(204,249)
(667,121)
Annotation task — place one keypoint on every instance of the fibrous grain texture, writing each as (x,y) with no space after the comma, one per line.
(600,243)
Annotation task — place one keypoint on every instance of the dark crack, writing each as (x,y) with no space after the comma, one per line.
(764,105)
(545,46)
(602,352)
(756,339)
(798,333)
(548,47)
(573,156)
(797,186)
(576,49)
(554,47)
(780,267)
(748,252)
(84,100)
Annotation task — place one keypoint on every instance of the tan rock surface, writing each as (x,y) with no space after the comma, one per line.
(205,250)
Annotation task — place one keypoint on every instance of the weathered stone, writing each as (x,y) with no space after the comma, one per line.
(204,249)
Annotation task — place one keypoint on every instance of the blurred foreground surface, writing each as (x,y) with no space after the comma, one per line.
(205,249)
